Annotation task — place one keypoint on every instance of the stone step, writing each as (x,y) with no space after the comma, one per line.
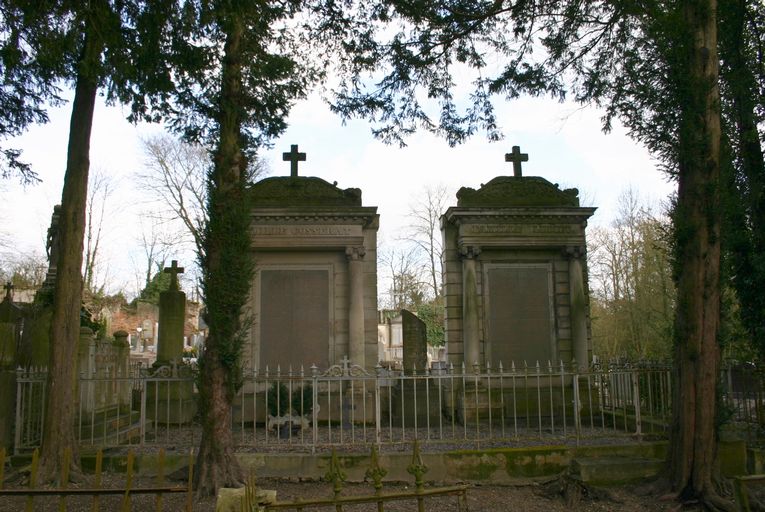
(123,435)
(615,470)
(106,426)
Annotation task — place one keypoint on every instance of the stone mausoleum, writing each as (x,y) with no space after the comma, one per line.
(514,265)
(514,273)
(314,296)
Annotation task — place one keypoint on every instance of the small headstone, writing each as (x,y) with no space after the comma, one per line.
(415,342)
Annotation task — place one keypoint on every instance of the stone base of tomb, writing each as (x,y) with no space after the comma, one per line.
(170,402)
(7,406)
(524,403)
(111,425)
(412,404)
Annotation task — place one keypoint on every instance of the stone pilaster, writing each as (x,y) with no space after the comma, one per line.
(470,317)
(356,305)
(578,301)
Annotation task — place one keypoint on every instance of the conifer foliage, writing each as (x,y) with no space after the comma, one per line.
(653,65)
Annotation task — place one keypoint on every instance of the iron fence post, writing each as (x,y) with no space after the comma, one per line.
(19,421)
(314,409)
(378,413)
(577,401)
(636,402)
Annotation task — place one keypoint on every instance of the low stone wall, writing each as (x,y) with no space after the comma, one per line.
(491,466)
(496,466)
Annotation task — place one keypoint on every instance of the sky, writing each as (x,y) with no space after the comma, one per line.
(564,142)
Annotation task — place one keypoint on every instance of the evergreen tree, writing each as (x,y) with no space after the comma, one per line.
(654,65)
(99,45)
(27,86)
(235,81)
(742,78)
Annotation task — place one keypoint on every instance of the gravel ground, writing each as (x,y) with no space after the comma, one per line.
(529,496)
(359,438)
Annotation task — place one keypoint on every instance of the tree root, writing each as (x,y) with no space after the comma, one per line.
(574,491)
(713,502)
(216,469)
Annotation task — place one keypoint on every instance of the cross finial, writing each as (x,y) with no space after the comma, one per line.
(346,364)
(293,157)
(174,270)
(8,291)
(516,157)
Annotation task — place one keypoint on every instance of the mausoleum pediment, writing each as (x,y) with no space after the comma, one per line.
(296,191)
(514,191)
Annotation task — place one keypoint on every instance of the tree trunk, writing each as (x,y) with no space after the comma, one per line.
(60,414)
(227,267)
(697,224)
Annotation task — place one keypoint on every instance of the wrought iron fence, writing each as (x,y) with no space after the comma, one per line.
(743,396)
(348,406)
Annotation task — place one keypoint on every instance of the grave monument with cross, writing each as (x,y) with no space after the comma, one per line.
(514,259)
(172,317)
(172,401)
(314,292)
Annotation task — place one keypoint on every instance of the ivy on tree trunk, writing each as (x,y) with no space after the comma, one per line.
(227,269)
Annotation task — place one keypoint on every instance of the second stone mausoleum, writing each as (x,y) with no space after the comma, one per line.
(314,296)
(515,273)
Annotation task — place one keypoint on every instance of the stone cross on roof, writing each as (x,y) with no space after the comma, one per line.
(293,157)
(516,157)
(174,270)
(8,291)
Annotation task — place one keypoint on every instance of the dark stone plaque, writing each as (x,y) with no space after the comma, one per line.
(294,319)
(519,316)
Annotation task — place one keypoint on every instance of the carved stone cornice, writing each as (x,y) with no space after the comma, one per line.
(364,216)
(504,191)
(474,215)
(301,191)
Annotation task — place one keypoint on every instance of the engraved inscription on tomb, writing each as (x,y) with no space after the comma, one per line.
(306,231)
(521,229)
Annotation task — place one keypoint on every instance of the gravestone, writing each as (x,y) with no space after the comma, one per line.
(314,295)
(514,264)
(172,318)
(418,403)
(52,247)
(171,401)
(415,342)
(34,349)
(10,323)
